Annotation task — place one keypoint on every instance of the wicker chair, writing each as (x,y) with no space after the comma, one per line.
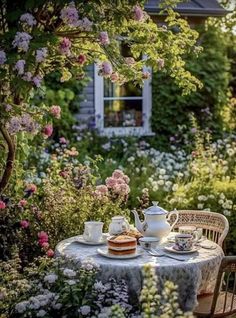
(223,302)
(215,225)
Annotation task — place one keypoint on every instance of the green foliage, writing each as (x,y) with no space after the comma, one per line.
(170,109)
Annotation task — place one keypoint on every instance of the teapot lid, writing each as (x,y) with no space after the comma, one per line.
(155,209)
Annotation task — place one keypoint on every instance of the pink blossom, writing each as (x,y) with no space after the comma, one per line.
(118,174)
(22,202)
(50,253)
(160,63)
(64,174)
(111,182)
(47,130)
(106,68)
(81,59)
(138,13)
(41,54)
(21,41)
(120,181)
(42,238)
(104,38)
(146,75)
(20,67)
(45,246)
(31,188)
(2,205)
(114,77)
(37,80)
(122,189)
(101,190)
(3,57)
(56,111)
(28,18)
(27,77)
(69,15)
(24,224)
(65,46)
(126,179)
(63,140)
(129,60)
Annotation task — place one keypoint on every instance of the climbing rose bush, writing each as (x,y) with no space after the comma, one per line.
(68,36)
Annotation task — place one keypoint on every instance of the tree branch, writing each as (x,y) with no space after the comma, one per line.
(10,158)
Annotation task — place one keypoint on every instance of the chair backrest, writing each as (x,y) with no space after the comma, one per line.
(215,225)
(227,272)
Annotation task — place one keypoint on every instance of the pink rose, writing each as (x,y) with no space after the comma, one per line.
(22,202)
(56,111)
(103,38)
(138,13)
(81,59)
(42,238)
(31,188)
(63,140)
(65,46)
(45,245)
(24,224)
(110,182)
(50,253)
(118,174)
(122,189)
(101,190)
(2,205)
(47,131)
(120,181)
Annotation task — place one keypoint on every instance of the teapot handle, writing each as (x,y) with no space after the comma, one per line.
(176,220)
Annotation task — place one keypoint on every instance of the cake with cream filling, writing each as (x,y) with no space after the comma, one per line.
(122,245)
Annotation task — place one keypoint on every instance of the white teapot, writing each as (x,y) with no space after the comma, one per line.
(155,222)
(118,225)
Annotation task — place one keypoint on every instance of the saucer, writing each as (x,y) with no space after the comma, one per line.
(174,250)
(81,240)
(104,252)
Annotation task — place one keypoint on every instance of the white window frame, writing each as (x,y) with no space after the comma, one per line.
(99,98)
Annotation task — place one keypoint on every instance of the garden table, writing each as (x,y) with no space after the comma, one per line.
(194,276)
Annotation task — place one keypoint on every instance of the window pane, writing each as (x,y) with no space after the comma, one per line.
(114,90)
(123,113)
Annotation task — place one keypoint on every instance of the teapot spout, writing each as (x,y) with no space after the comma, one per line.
(138,223)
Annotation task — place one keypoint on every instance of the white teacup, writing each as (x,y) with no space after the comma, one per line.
(149,242)
(190,229)
(184,242)
(93,231)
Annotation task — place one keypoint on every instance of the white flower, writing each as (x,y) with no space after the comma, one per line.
(161,182)
(162,171)
(85,310)
(175,187)
(28,18)
(51,278)
(222,196)
(21,307)
(200,206)
(71,282)
(41,313)
(227,213)
(69,272)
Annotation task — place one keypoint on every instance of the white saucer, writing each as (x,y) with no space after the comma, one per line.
(104,252)
(173,250)
(81,240)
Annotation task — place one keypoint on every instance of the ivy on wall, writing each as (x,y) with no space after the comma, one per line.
(171,108)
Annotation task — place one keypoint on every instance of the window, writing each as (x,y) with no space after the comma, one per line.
(122,110)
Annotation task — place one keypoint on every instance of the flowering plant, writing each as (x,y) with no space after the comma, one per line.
(52,35)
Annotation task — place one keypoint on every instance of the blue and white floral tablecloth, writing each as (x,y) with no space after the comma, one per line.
(196,275)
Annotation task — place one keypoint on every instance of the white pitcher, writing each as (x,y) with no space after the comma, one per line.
(93,231)
(118,225)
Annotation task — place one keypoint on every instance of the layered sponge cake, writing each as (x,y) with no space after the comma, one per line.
(122,245)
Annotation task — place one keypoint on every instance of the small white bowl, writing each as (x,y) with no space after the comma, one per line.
(149,242)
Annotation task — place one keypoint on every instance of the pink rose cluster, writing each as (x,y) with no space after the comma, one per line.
(24,224)
(47,131)
(2,205)
(55,110)
(101,191)
(118,183)
(65,46)
(43,242)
